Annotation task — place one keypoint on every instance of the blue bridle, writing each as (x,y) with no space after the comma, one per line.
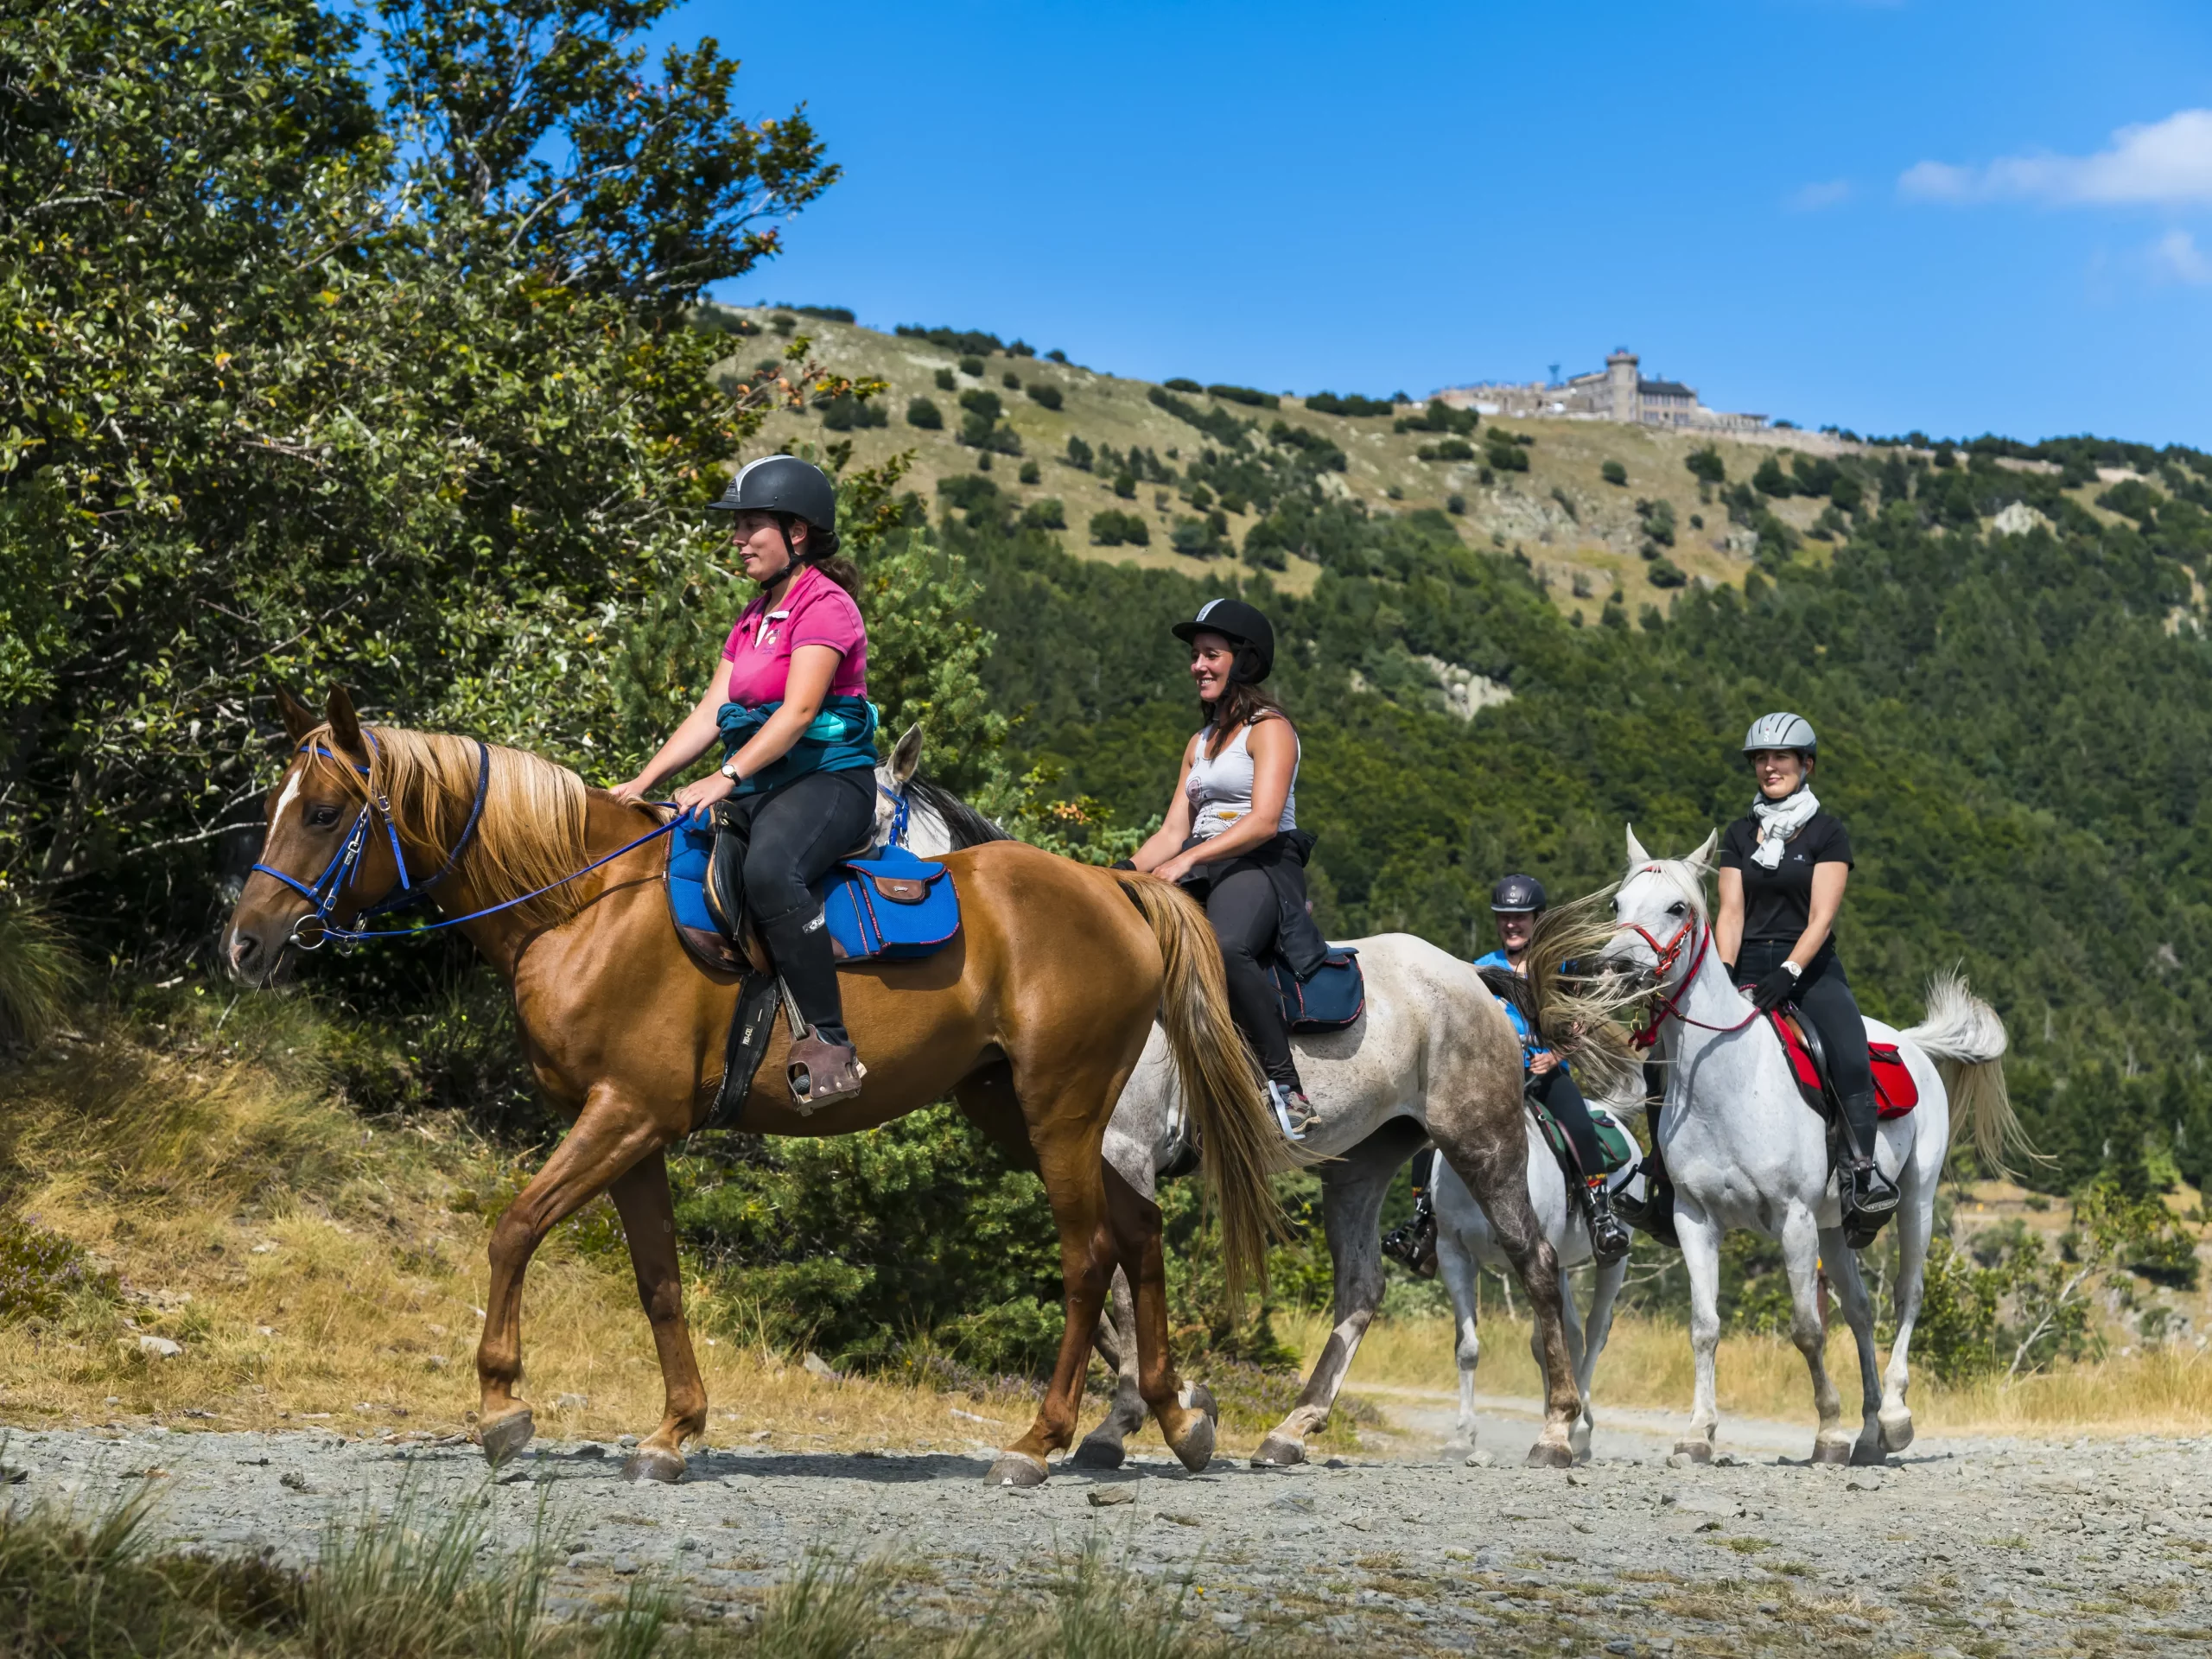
(902,810)
(345,865)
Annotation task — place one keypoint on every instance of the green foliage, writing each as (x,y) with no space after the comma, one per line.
(1614,473)
(1080,454)
(1450,449)
(1705,466)
(1316,451)
(1326,402)
(1246,395)
(1439,416)
(1112,527)
(1047,513)
(946,379)
(845,411)
(1501,451)
(1657,518)
(1044,395)
(971,366)
(39,975)
(1031,473)
(1771,480)
(1010,380)
(1665,573)
(972,344)
(1455,502)
(1182,383)
(921,412)
(1216,423)
(42,1273)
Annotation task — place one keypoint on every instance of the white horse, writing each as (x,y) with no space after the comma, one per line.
(1433,1057)
(1465,1245)
(1745,1151)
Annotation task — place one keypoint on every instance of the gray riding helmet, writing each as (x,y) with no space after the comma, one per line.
(1782,731)
(782,483)
(1518,895)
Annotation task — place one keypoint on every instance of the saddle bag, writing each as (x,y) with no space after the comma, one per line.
(1335,997)
(894,906)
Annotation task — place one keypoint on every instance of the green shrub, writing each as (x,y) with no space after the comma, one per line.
(976,497)
(1439,416)
(1450,449)
(1112,527)
(1056,355)
(1665,573)
(41,1273)
(1771,480)
(1125,485)
(1032,472)
(1247,395)
(1500,451)
(1216,424)
(1455,504)
(39,975)
(1705,466)
(1049,396)
(1319,451)
(1658,519)
(1047,513)
(1080,454)
(971,366)
(1010,380)
(947,381)
(1566,504)
(1614,473)
(1183,382)
(969,342)
(921,412)
(1327,402)
(984,404)
(783,323)
(844,413)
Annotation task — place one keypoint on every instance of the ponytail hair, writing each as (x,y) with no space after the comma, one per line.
(822,553)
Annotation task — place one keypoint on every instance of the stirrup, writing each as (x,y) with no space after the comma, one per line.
(1869,1197)
(1414,1240)
(1610,1239)
(1292,1111)
(819,1073)
(1654,1213)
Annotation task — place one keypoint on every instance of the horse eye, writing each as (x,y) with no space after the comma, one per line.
(1676,909)
(321,818)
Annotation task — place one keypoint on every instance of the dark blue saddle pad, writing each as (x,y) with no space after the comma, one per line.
(1335,997)
(894,904)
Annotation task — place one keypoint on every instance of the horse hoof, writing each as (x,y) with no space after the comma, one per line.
(1897,1432)
(503,1437)
(1543,1455)
(1196,1449)
(1695,1451)
(1279,1452)
(1096,1453)
(1831,1453)
(1866,1454)
(654,1462)
(1016,1469)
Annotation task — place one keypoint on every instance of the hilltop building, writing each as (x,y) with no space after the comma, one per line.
(1616,393)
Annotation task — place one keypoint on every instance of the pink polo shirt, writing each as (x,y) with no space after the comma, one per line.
(814,611)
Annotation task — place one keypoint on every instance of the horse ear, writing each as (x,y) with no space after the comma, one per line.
(907,756)
(299,719)
(1635,854)
(1701,860)
(345,725)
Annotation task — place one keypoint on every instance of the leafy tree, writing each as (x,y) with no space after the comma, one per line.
(946,380)
(1771,480)
(1112,527)
(921,412)
(1079,454)
(1614,473)
(1044,395)
(1705,466)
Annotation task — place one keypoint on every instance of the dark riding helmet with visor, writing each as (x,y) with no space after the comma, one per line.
(1244,627)
(1518,895)
(789,488)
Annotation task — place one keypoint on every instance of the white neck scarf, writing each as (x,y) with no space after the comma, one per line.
(1779,820)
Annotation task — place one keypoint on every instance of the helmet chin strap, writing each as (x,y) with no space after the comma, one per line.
(792,559)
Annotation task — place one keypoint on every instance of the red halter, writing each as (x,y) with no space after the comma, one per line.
(1669,954)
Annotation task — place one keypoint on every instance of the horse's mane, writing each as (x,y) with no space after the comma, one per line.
(967,827)
(532,828)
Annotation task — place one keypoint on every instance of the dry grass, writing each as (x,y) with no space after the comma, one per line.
(1647,1364)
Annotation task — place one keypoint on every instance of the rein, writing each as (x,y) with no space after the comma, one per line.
(1670,1007)
(338,876)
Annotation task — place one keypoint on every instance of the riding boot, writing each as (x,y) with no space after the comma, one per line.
(1869,1196)
(1414,1241)
(1609,1239)
(822,1065)
(1653,1213)
(1292,1111)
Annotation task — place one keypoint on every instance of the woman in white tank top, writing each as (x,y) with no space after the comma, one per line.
(1231,836)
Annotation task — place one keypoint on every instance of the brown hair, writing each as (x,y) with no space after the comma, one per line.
(822,554)
(1242,702)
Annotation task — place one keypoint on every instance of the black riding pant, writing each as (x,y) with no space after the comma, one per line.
(1562,1097)
(1242,908)
(795,834)
(1824,998)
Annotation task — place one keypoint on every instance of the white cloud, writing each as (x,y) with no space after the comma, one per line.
(2165,163)
(2177,256)
(1812,198)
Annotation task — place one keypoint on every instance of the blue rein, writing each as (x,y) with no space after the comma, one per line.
(338,874)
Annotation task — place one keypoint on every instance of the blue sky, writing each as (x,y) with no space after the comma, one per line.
(1959,218)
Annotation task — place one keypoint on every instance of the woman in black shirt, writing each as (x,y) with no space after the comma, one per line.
(1783,867)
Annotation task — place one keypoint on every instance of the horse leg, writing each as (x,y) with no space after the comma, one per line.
(1187,1416)
(1914,1221)
(1456,1266)
(1604,1293)
(1103,1448)
(1496,1169)
(1701,1240)
(1842,1264)
(1800,1258)
(1067,1158)
(641,1198)
(609,1136)
(1571,1317)
(1352,1191)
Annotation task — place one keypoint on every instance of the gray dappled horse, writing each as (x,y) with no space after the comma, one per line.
(1432,1057)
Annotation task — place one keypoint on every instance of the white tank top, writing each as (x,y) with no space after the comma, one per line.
(1220,787)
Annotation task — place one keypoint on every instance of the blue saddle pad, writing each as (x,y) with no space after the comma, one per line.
(1335,997)
(892,905)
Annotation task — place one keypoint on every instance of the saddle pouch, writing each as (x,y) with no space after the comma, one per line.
(1893,1085)
(1333,997)
(894,906)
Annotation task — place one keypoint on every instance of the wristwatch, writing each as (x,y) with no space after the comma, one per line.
(1795,972)
(729,771)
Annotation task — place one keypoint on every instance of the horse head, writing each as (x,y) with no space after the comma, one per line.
(892,777)
(1658,913)
(319,863)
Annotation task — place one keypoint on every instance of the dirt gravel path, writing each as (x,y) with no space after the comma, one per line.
(1965,1547)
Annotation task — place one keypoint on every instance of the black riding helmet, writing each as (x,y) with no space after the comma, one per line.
(787,487)
(1517,895)
(1243,626)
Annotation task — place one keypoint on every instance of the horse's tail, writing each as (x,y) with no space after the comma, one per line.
(1222,1090)
(1963,1035)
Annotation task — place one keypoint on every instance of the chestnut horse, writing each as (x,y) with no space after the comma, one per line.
(1031,1018)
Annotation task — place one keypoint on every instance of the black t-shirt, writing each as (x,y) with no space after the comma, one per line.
(1778,903)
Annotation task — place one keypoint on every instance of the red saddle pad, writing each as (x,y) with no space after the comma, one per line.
(1894,1088)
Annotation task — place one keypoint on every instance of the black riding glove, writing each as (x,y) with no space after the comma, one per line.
(1774,990)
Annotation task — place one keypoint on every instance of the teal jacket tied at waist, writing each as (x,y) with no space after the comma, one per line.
(841,739)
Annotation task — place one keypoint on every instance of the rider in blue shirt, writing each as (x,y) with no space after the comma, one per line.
(1515,903)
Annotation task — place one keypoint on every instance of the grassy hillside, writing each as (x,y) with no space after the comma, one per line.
(1582,535)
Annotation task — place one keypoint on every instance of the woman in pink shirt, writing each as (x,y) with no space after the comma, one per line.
(789,703)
